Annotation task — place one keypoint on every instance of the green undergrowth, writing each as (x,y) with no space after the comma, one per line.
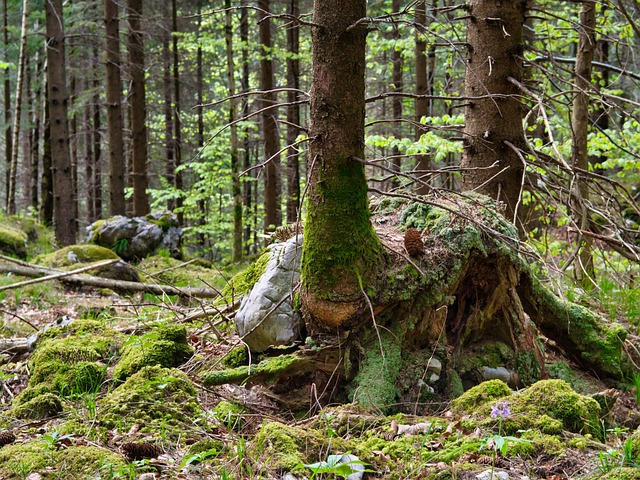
(170,271)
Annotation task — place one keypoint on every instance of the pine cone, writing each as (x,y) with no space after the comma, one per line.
(139,451)
(413,243)
(6,438)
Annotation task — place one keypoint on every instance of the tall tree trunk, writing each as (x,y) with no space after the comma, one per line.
(87,117)
(169,139)
(8,137)
(293,115)
(202,202)
(341,249)
(64,223)
(73,144)
(248,198)
(236,187)
(97,144)
(177,127)
(584,271)
(272,209)
(46,183)
(396,102)
(113,94)
(421,103)
(17,112)
(35,131)
(493,118)
(138,107)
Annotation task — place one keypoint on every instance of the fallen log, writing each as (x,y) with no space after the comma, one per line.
(99,282)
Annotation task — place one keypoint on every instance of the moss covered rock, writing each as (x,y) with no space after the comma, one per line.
(166,346)
(162,400)
(42,406)
(13,241)
(74,254)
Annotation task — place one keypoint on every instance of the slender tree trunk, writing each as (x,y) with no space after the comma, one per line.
(396,103)
(114,110)
(64,223)
(73,145)
(273,211)
(138,110)
(8,134)
(293,115)
(580,127)
(421,103)
(236,187)
(248,186)
(202,202)
(493,119)
(177,127)
(17,111)
(88,156)
(46,183)
(97,144)
(169,139)
(341,250)
(35,132)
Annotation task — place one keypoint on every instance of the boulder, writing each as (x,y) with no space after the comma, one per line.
(268,311)
(138,237)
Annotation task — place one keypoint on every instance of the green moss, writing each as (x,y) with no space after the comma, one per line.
(170,271)
(562,371)
(206,445)
(70,363)
(266,371)
(598,341)
(20,459)
(13,241)
(166,346)
(622,473)
(230,414)
(340,244)
(74,254)
(487,354)
(43,406)
(480,395)
(242,282)
(375,384)
(87,462)
(236,357)
(162,400)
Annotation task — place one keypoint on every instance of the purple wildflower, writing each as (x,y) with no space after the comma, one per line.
(500,410)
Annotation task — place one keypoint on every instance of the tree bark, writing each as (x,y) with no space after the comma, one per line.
(293,115)
(247,193)
(177,125)
(169,138)
(96,159)
(421,103)
(35,131)
(236,187)
(64,223)
(341,250)
(8,134)
(113,92)
(273,211)
(138,107)
(46,183)
(584,270)
(396,101)
(493,118)
(17,112)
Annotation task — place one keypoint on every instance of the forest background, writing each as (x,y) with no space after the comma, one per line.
(202,108)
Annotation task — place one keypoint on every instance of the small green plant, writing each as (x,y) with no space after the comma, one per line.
(614,458)
(54,439)
(636,384)
(337,465)
(120,245)
(197,457)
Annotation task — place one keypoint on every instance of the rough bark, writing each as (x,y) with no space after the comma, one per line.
(35,132)
(64,223)
(167,84)
(396,101)
(46,182)
(341,249)
(138,107)
(293,115)
(113,92)
(493,117)
(421,103)
(584,270)
(17,112)
(177,124)
(272,209)
(7,102)
(247,193)
(236,187)
(96,159)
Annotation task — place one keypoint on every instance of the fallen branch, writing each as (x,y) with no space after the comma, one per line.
(99,282)
(60,275)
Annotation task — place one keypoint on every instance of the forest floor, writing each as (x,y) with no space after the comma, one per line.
(239,443)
